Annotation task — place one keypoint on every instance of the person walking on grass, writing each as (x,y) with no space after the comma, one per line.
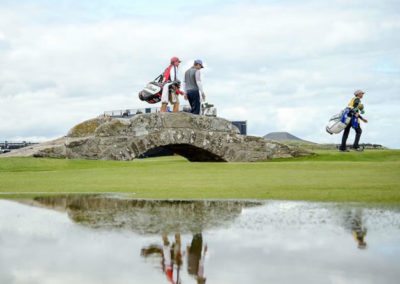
(356,109)
(194,86)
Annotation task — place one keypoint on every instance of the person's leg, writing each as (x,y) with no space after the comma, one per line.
(164,97)
(358,136)
(175,98)
(196,103)
(344,137)
(190,96)
(176,107)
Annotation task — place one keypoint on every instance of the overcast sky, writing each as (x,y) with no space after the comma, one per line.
(281,65)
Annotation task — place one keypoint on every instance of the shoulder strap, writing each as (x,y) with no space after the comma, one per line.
(159,78)
(175,72)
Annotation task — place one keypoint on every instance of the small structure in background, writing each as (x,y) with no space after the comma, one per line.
(7,146)
(241,125)
(4,150)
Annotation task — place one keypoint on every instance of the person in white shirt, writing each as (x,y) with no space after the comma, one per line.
(170,80)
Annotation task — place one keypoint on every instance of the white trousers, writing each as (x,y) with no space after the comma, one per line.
(165,93)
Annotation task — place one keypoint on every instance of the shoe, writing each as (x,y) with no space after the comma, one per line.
(343,150)
(359,149)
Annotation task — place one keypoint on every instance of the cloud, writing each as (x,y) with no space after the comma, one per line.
(265,61)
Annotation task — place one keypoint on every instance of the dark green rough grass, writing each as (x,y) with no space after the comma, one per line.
(371,176)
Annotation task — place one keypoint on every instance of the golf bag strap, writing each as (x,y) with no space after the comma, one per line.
(159,78)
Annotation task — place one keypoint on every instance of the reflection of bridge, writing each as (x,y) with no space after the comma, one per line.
(145,216)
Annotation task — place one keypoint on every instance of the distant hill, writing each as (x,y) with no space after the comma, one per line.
(284,136)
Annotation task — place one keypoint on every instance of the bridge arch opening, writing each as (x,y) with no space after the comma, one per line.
(190,152)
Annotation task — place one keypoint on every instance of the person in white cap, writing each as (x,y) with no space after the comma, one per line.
(356,109)
(170,80)
(194,87)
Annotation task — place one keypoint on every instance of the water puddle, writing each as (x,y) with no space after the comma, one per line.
(109,239)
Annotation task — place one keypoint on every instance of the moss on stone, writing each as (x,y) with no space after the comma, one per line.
(85,128)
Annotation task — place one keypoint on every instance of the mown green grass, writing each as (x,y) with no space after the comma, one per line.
(371,176)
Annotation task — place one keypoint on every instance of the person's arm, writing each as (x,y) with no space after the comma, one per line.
(184,86)
(362,118)
(184,83)
(356,104)
(200,85)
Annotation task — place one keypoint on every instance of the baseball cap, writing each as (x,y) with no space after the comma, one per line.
(359,92)
(200,62)
(175,59)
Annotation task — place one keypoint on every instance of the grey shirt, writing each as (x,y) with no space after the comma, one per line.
(192,77)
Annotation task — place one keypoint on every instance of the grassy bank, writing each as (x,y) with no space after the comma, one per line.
(372,176)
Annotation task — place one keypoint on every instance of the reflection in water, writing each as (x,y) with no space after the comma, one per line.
(154,216)
(171,257)
(354,223)
(91,239)
(146,216)
(170,254)
(195,258)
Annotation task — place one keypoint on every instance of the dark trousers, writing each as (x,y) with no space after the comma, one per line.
(346,135)
(194,101)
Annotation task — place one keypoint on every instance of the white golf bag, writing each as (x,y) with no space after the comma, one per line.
(338,122)
(208,109)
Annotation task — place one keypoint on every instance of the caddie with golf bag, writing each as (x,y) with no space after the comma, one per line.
(349,118)
(164,88)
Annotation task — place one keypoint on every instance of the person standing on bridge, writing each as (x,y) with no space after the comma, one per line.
(171,82)
(193,86)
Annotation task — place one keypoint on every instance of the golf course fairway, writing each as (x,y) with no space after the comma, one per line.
(371,176)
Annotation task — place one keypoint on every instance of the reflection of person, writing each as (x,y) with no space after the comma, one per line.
(354,223)
(167,259)
(195,258)
(194,87)
(359,232)
(200,274)
(171,256)
(356,107)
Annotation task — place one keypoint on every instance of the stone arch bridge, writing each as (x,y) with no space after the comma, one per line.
(197,138)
